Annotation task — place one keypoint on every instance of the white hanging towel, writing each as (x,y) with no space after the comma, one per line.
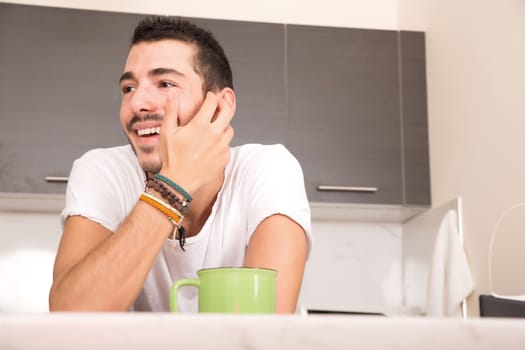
(450,280)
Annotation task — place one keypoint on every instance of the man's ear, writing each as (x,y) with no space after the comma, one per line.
(228,95)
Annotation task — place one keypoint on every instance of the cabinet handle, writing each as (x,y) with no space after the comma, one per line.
(57,179)
(345,188)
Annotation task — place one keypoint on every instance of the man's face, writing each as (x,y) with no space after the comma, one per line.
(154,71)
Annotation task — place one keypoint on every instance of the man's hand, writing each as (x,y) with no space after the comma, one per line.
(196,153)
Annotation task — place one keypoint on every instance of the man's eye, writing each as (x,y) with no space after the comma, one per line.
(127,89)
(166,84)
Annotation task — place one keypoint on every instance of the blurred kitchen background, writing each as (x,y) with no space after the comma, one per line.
(372,256)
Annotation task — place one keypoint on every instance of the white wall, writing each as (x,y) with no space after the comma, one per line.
(339,13)
(476,86)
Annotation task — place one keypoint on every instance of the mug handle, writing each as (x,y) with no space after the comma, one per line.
(174,306)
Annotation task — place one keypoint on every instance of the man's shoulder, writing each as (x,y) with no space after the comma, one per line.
(116,160)
(254,150)
(256,157)
(117,153)
(115,167)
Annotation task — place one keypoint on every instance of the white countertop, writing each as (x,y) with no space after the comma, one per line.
(208,331)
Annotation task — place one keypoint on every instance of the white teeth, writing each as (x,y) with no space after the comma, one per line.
(148,131)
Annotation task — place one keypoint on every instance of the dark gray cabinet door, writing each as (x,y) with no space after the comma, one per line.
(344,111)
(414,118)
(256,55)
(59,92)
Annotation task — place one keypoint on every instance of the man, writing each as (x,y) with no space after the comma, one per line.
(248,204)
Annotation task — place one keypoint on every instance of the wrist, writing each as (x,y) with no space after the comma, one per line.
(161,190)
(174,186)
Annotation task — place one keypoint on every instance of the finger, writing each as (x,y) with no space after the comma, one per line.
(207,110)
(170,121)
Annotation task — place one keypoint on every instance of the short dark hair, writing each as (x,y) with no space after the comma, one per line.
(211,62)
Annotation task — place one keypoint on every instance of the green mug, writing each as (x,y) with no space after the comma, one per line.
(231,290)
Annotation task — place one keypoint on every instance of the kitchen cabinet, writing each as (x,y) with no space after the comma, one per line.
(59,87)
(346,105)
(349,103)
(414,119)
(256,55)
(59,72)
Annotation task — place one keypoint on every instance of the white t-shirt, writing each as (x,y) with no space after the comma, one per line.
(105,184)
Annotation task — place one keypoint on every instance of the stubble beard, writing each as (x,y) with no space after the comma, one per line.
(153,164)
(146,158)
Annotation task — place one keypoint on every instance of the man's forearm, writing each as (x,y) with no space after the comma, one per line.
(110,276)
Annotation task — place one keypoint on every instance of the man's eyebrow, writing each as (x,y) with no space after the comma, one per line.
(126,76)
(153,72)
(161,71)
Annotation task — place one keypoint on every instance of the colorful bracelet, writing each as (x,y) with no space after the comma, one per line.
(172,198)
(174,185)
(174,216)
(172,213)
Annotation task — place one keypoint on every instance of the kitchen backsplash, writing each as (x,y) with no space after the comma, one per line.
(28,243)
(352,265)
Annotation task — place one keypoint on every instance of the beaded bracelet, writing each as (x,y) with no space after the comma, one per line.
(174,216)
(174,185)
(174,200)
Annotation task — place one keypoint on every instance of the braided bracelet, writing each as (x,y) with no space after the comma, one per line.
(172,213)
(174,216)
(174,200)
(174,185)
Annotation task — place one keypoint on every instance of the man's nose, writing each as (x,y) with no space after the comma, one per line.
(143,100)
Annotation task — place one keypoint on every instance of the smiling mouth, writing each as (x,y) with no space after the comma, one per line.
(148,131)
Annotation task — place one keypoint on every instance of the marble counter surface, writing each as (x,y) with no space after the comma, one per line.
(168,331)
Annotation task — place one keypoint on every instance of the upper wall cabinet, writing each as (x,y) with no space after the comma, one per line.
(349,103)
(343,105)
(256,55)
(416,167)
(346,125)
(59,72)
